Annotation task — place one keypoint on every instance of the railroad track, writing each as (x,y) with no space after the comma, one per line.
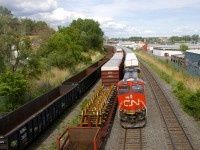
(175,133)
(133,139)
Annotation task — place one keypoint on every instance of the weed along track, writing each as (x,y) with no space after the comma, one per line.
(174,130)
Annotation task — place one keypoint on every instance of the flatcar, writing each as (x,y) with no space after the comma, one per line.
(131,98)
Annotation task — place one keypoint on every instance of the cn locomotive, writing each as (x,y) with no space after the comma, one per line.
(131,95)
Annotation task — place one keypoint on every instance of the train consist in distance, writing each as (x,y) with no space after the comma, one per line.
(131,96)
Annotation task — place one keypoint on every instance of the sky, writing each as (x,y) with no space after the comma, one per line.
(117,18)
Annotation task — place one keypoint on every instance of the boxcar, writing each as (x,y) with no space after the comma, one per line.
(112,71)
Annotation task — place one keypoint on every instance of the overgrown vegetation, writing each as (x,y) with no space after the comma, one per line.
(84,103)
(34,50)
(70,43)
(186,88)
(12,88)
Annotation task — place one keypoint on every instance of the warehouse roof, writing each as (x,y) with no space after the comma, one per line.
(194,51)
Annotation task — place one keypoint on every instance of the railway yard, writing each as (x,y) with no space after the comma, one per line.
(168,126)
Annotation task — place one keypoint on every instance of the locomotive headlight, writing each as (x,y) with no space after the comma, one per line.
(131,96)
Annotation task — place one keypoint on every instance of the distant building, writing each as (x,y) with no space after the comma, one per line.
(166,50)
(173,49)
(132,44)
(192,61)
(178,59)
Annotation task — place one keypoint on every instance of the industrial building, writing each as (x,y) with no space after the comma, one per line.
(192,61)
(166,50)
(173,49)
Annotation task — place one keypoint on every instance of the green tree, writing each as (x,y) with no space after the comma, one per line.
(183,47)
(5,12)
(12,87)
(186,38)
(2,65)
(174,39)
(195,37)
(26,60)
(62,50)
(16,50)
(28,26)
(91,36)
(66,47)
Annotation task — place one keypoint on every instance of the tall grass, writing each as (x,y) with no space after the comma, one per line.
(171,74)
(186,88)
(55,76)
(47,81)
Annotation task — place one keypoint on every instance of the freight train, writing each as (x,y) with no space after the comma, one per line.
(97,116)
(131,94)
(22,126)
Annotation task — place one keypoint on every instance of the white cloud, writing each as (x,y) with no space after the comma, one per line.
(116,17)
(29,6)
(137,5)
(184,30)
(60,14)
(58,17)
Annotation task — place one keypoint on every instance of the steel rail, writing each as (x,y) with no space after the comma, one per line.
(145,70)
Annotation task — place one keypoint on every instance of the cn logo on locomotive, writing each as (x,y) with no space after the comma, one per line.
(131,102)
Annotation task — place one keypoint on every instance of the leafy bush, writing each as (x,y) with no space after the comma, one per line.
(192,105)
(66,47)
(181,92)
(12,87)
(190,101)
(165,76)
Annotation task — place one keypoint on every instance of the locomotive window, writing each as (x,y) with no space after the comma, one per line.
(124,89)
(137,89)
